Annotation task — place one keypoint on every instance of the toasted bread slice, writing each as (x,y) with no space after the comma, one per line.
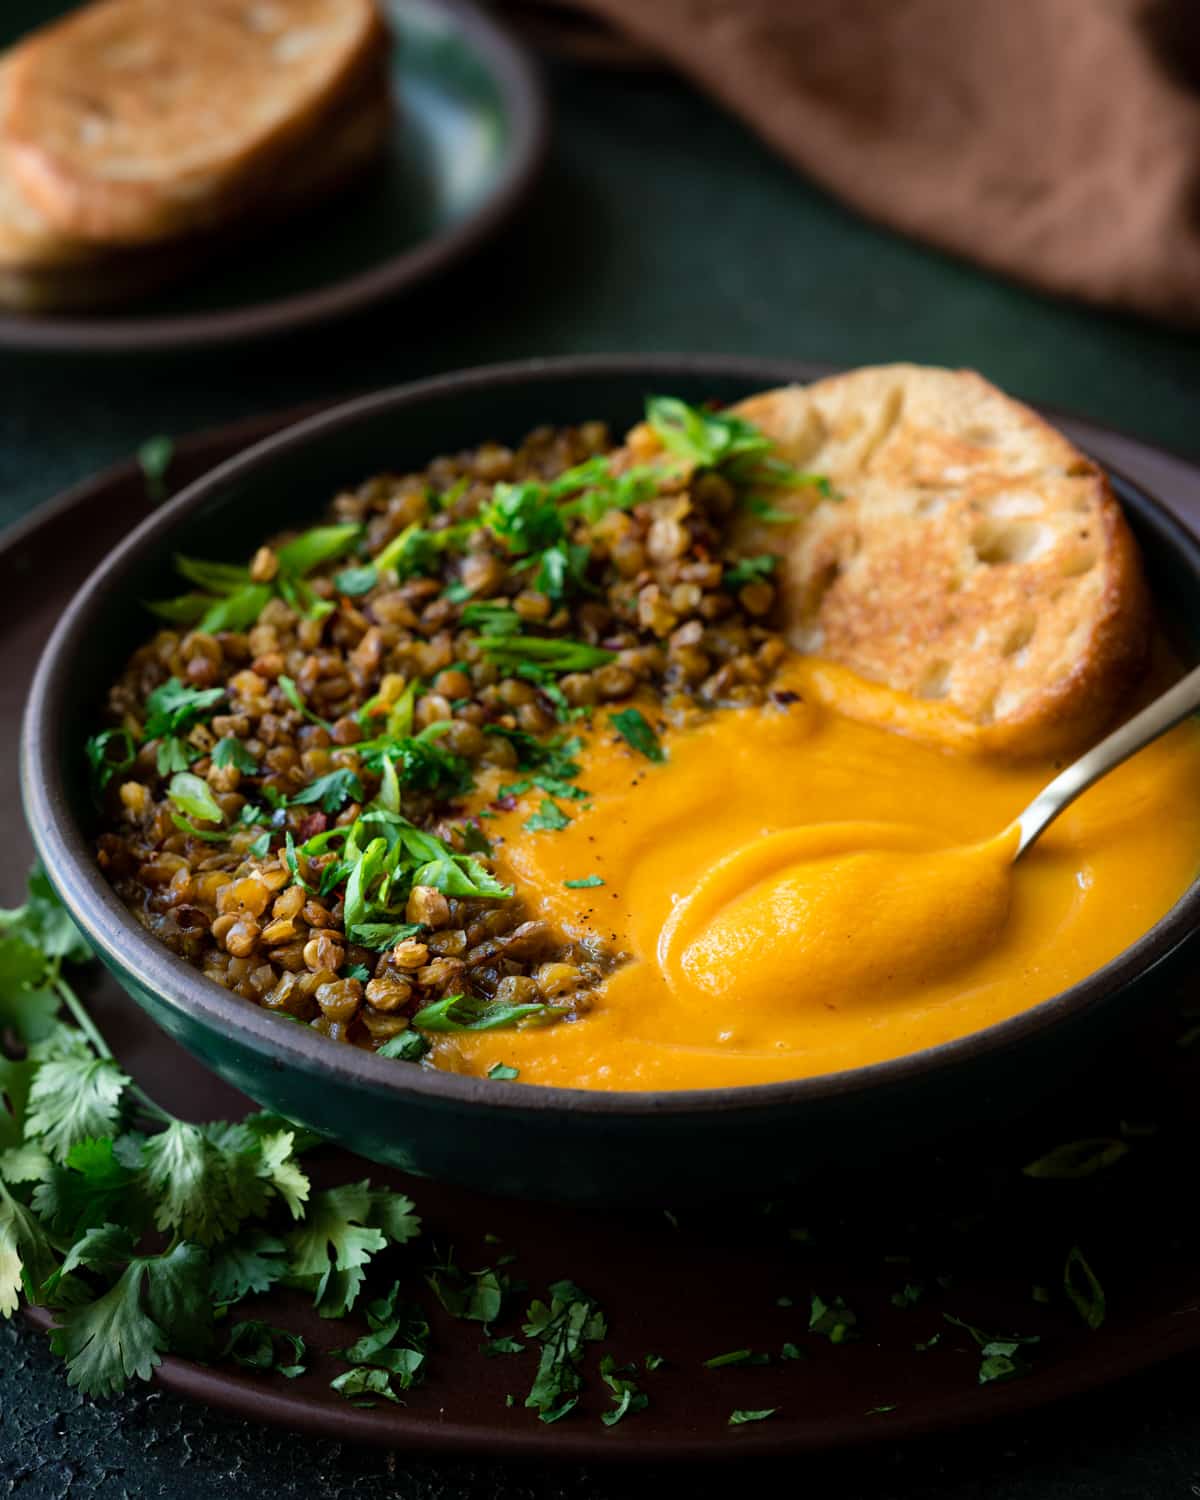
(974,557)
(43,272)
(133,121)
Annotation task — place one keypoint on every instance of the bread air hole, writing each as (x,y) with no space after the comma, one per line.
(995,542)
(936,681)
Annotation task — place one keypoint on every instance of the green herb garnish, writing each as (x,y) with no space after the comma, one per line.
(750,570)
(562,1328)
(1078,1158)
(467,1013)
(632,726)
(626,1395)
(588,883)
(110,753)
(154,459)
(259,1346)
(1083,1288)
(193,795)
(549,818)
(741,1416)
(356,581)
(834,1319)
(1000,1356)
(552,655)
(503,1073)
(331,791)
(231,752)
(171,711)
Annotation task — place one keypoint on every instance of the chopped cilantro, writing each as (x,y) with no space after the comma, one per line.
(549,817)
(833,1319)
(171,711)
(154,459)
(1078,1158)
(632,726)
(750,570)
(587,883)
(110,753)
(259,1346)
(466,1013)
(231,752)
(1083,1289)
(1000,1356)
(741,1416)
(562,1328)
(626,1395)
(503,1072)
(331,791)
(408,1046)
(356,581)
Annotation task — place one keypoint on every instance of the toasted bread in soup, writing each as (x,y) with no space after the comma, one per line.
(975,556)
(136,120)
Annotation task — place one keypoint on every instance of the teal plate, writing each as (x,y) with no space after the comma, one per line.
(468,138)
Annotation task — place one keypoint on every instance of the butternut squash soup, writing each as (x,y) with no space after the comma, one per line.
(801,888)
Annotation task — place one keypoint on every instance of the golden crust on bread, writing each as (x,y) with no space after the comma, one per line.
(975,556)
(132,121)
(42,272)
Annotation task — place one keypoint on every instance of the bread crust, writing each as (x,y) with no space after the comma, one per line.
(134,121)
(975,557)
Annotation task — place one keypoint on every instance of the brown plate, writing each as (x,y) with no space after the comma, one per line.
(469,136)
(967,1227)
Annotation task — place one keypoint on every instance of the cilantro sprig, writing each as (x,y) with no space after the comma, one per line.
(90,1166)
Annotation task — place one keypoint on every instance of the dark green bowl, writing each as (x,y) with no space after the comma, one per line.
(508,1138)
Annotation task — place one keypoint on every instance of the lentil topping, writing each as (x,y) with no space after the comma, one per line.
(297,772)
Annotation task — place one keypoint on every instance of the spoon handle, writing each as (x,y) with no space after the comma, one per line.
(1163,714)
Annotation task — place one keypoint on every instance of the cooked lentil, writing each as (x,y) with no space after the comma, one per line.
(355,679)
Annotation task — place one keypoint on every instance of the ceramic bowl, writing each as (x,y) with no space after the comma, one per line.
(547,1142)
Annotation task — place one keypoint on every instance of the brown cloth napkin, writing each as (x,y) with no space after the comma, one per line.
(1057,141)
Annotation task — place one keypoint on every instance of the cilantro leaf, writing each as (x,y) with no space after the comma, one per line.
(563,1327)
(586,883)
(549,818)
(1078,1158)
(93,1187)
(111,1340)
(231,752)
(626,1395)
(503,1073)
(467,1013)
(247,1265)
(332,791)
(834,1319)
(363,1380)
(342,1230)
(260,1346)
(356,581)
(1083,1288)
(26,1255)
(73,1098)
(110,753)
(206,1179)
(154,459)
(409,1046)
(741,1416)
(632,726)
(750,570)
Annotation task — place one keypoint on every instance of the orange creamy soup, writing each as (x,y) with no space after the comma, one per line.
(826,882)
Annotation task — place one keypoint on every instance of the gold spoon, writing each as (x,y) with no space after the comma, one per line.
(1163,714)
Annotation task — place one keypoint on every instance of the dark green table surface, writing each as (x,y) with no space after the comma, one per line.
(659,225)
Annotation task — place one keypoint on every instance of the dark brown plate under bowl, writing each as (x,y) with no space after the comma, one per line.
(534,1142)
(714,1283)
(468,137)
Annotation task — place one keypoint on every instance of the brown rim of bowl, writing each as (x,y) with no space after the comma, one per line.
(112,929)
(524,97)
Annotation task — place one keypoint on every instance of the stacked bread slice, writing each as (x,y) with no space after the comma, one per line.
(138,136)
